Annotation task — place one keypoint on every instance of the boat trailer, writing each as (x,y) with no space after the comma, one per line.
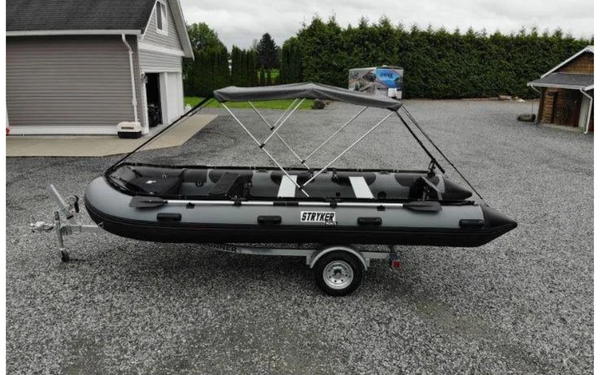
(338,269)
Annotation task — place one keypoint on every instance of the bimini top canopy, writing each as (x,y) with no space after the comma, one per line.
(305,91)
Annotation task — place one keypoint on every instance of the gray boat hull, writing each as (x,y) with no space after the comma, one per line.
(454,225)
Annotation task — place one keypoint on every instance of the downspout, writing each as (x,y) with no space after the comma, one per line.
(134,97)
(589,114)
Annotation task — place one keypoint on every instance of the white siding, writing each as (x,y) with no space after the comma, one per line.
(151,36)
(153,62)
(69,81)
(163,60)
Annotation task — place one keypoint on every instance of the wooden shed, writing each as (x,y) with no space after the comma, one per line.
(567,92)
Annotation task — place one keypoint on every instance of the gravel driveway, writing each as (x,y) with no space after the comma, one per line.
(521,304)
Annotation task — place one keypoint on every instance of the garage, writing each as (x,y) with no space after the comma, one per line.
(164,97)
(84,70)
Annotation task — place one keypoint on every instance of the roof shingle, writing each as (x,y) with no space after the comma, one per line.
(33,15)
(564,80)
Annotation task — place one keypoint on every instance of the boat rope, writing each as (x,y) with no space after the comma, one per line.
(414,121)
(189,113)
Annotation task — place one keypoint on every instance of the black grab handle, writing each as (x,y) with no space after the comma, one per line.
(471,223)
(165,216)
(269,220)
(374,221)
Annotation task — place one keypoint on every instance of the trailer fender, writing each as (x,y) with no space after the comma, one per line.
(315,258)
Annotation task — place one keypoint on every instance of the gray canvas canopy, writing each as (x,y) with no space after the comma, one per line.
(305,91)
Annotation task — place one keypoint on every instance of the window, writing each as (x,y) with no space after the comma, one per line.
(161,17)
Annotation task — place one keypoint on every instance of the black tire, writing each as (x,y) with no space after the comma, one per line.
(338,273)
(64,256)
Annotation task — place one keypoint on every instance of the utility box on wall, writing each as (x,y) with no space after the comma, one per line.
(381,80)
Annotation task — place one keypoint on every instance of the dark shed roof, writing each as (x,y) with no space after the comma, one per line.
(30,15)
(565,81)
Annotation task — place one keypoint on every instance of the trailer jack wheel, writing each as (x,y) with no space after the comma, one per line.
(64,256)
(338,273)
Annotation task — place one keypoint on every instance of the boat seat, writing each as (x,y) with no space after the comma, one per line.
(199,176)
(360,187)
(214,175)
(156,185)
(142,171)
(423,189)
(287,189)
(229,185)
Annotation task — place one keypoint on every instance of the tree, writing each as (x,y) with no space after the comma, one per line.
(269,80)
(262,78)
(291,62)
(437,63)
(202,37)
(251,66)
(326,55)
(267,52)
(210,69)
(243,67)
(237,67)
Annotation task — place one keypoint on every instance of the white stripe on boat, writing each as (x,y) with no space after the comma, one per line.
(287,189)
(361,189)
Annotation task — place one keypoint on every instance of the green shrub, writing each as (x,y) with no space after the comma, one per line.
(437,63)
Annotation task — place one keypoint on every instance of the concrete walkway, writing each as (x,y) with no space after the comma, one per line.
(94,146)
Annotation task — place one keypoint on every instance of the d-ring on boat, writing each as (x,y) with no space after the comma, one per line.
(301,204)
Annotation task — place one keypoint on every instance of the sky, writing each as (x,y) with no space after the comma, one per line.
(240,22)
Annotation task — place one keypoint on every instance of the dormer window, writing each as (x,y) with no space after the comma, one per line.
(161,17)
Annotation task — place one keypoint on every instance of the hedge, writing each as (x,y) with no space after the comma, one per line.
(437,63)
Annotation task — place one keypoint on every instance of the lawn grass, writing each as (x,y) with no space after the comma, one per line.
(268,104)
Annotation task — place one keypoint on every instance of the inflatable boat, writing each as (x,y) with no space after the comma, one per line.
(298,204)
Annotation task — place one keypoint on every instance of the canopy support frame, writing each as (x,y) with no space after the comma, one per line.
(348,149)
(261,146)
(336,133)
(274,132)
(303,162)
(433,161)
(285,118)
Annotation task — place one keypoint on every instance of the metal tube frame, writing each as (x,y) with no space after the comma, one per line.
(283,122)
(348,149)
(279,136)
(261,146)
(433,160)
(285,112)
(311,255)
(336,133)
(72,226)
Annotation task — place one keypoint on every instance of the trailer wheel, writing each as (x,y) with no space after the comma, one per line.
(338,273)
